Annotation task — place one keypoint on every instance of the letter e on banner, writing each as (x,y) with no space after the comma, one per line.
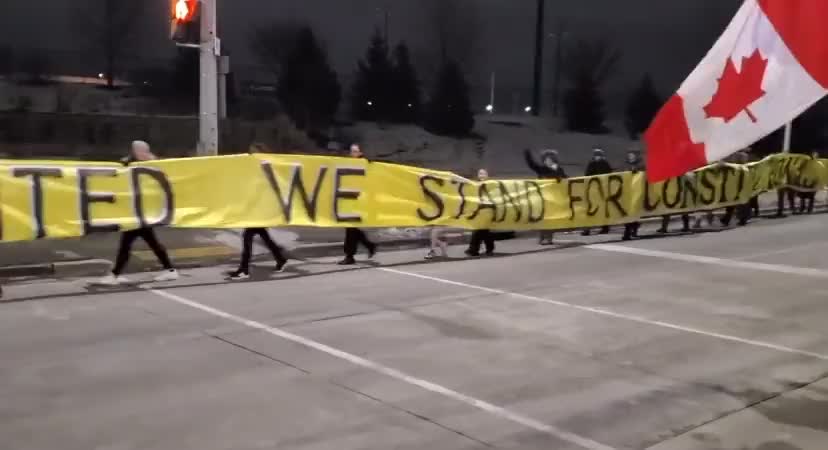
(167,214)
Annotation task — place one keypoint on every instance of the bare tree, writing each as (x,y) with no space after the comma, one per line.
(272,43)
(110,27)
(596,59)
(453,31)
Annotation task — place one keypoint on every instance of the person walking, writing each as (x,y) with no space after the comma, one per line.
(439,245)
(139,151)
(743,211)
(485,236)
(635,166)
(598,165)
(549,168)
(355,236)
(243,272)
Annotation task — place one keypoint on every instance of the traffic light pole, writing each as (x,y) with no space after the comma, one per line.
(209,50)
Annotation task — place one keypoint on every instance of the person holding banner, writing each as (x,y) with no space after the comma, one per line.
(478,237)
(243,272)
(634,165)
(140,151)
(598,165)
(806,198)
(742,211)
(438,242)
(548,169)
(355,236)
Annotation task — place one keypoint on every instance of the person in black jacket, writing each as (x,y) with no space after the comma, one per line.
(634,165)
(355,236)
(548,169)
(598,165)
(139,151)
(806,199)
(243,272)
(484,237)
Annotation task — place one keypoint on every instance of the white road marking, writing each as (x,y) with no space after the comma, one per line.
(605,312)
(393,373)
(794,248)
(732,263)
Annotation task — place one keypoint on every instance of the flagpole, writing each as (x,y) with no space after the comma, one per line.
(786,144)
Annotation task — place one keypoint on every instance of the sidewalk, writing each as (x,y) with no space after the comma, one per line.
(189,248)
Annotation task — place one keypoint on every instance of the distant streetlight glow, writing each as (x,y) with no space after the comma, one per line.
(369,103)
(528,109)
(489,108)
(101,75)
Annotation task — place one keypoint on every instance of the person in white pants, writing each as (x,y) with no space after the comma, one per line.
(438,242)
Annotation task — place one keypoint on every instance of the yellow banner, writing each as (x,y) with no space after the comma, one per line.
(60,199)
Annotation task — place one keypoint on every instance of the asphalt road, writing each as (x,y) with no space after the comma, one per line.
(709,341)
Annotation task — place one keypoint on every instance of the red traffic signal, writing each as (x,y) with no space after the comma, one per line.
(185,27)
(184,10)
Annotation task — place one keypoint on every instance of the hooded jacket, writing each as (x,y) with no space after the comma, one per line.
(542,170)
(598,166)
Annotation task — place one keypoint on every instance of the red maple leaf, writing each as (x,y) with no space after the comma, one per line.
(738,90)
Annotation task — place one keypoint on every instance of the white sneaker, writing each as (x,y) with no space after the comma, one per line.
(112,280)
(169,275)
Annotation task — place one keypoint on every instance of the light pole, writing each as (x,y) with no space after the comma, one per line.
(559,37)
(536,85)
(209,51)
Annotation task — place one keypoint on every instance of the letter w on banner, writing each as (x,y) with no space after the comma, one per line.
(769,66)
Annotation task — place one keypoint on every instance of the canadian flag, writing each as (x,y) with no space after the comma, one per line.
(769,66)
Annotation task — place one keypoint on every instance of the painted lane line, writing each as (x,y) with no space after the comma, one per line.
(608,313)
(492,409)
(710,260)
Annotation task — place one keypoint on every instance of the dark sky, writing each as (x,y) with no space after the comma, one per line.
(664,37)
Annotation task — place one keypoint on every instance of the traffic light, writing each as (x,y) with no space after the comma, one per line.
(185,22)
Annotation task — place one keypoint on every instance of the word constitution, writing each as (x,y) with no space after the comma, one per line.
(59,199)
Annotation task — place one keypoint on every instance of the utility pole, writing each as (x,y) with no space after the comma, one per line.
(387,42)
(209,50)
(556,87)
(786,143)
(539,38)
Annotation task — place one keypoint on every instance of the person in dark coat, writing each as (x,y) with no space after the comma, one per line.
(548,169)
(634,165)
(243,272)
(598,165)
(742,211)
(806,199)
(355,236)
(484,237)
(139,151)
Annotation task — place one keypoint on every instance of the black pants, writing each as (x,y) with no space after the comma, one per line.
(742,214)
(806,202)
(247,247)
(479,237)
(631,230)
(781,195)
(665,223)
(129,237)
(754,206)
(354,237)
